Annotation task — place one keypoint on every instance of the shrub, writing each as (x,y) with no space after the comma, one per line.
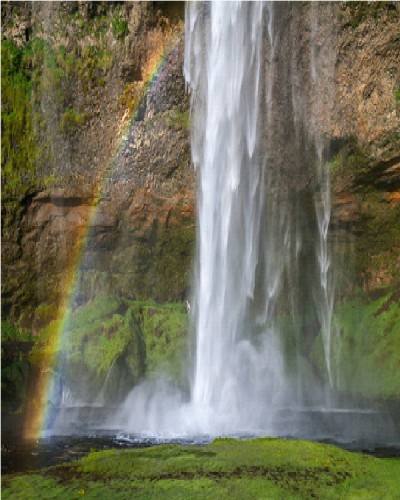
(119,27)
(71,121)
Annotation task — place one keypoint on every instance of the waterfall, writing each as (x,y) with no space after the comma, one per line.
(264,277)
(226,98)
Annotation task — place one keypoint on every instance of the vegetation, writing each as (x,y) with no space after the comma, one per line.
(178,119)
(39,85)
(165,332)
(11,332)
(14,382)
(119,27)
(352,161)
(34,76)
(110,335)
(362,11)
(108,339)
(368,358)
(133,95)
(19,149)
(226,468)
(15,366)
(376,211)
(71,121)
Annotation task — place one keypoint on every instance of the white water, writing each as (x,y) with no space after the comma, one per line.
(255,259)
(230,369)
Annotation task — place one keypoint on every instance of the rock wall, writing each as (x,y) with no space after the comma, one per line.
(114,155)
(100,197)
(88,65)
(366,169)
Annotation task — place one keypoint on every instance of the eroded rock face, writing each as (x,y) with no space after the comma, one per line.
(137,194)
(367,76)
(367,169)
(120,214)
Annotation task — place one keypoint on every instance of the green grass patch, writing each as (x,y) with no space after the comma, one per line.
(226,468)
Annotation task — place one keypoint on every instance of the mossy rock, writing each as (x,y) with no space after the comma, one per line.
(165,329)
(102,351)
(104,348)
(226,468)
(366,346)
(372,222)
(16,368)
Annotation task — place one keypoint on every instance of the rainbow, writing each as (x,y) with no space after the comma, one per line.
(41,413)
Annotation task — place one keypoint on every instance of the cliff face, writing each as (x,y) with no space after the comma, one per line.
(98,188)
(366,170)
(88,67)
(113,155)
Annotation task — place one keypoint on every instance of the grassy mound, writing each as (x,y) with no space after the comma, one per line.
(226,468)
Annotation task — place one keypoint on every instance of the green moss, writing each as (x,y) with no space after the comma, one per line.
(397,95)
(351,162)
(375,219)
(152,337)
(38,69)
(178,119)
(29,72)
(165,331)
(45,314)
(367,355)
(71,121)
(14,383)
(46,345)
(19,149)
(378,236)
(157,265)
(11,331)
(15,366)
(262,468)
(133,95)
(100,333)
(119,27)
(111,335)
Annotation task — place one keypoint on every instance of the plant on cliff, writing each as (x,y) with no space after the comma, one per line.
(119,27)
(11,332)
(370,328)
(110,335)
(19,148)
(71,121)
(165,332)
(178,119)
(15,366)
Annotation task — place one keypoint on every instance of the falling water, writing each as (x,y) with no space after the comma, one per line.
(253,246)
(230,369)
